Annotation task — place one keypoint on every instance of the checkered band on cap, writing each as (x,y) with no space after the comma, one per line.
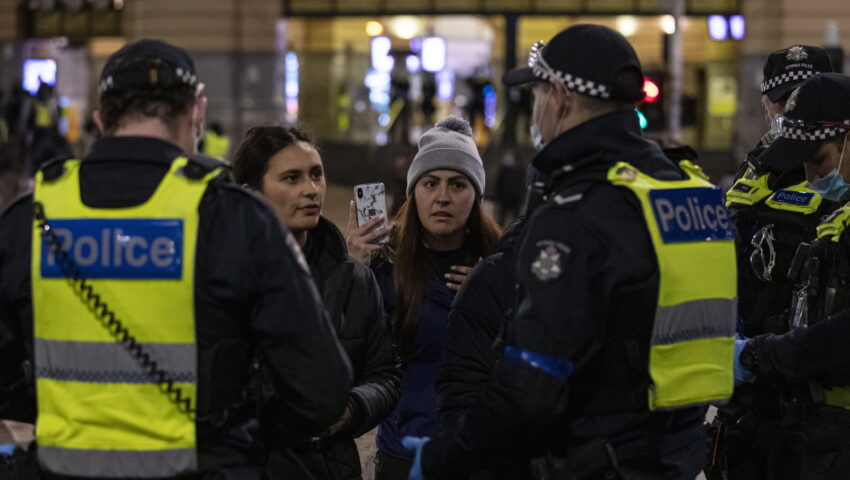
(786,77)
(813,132)
(184,76)
(543,71)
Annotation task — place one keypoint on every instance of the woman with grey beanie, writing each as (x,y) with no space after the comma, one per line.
(438,234)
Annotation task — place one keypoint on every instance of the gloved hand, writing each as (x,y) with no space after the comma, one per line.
(415,444)
(742,375)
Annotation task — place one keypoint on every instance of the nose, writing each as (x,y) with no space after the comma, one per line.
(443,197)
(312,189)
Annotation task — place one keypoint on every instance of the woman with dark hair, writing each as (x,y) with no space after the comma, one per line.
(439,232)
(285,166)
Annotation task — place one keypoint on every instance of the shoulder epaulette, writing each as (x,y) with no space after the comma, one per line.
(835,224)
(200,165)
(53,168)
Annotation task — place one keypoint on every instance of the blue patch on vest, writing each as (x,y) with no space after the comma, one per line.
(691,215)
(791,197)
(118,248)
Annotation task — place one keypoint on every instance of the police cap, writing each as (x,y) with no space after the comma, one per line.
(817,110)
(593,60)
(146,63)
(787,68)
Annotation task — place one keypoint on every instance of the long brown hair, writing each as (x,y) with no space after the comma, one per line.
(407,251)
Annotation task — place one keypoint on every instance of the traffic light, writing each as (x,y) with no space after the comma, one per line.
(652,106)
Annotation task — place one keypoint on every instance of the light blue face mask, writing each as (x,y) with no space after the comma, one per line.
(832,186)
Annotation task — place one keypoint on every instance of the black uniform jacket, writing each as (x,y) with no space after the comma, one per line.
(252,299)
(478,316)
(354,301)
(589,287)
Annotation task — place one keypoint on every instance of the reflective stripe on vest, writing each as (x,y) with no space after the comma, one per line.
(690,360)
(99,413)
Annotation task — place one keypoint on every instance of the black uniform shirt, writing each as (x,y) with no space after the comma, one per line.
(252,299)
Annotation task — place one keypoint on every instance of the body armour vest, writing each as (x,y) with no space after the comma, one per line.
(692,341)
(100,413)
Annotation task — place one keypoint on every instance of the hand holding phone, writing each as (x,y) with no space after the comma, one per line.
(368,226)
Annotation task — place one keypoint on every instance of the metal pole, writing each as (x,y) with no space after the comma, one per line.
(675,72)
(510,121)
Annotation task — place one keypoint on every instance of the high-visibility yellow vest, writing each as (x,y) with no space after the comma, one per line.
(43,114)
(216,145)
(692,343)
(751,189)
(99,413)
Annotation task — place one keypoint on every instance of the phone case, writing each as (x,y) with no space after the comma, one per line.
(372,204)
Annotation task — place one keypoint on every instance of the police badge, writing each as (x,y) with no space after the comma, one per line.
(796,53)
(547,265)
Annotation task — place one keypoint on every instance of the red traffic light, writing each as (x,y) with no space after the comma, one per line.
(651,89)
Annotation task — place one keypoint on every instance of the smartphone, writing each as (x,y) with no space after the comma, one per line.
(370,200)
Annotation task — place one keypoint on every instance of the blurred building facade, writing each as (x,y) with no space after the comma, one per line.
(314,61)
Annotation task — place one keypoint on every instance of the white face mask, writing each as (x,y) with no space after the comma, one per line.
(775,126)
(536,134)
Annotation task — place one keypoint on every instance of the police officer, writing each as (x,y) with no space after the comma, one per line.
(813,356)
(625,323)
(138,286)
(774,211)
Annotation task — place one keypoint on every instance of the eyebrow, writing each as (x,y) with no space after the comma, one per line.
(450,179)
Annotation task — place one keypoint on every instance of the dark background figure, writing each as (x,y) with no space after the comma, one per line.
(509,186)
(396,189)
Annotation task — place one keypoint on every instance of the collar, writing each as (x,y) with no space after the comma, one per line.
(598,143)
(615,131)
(326,241)
(143,149)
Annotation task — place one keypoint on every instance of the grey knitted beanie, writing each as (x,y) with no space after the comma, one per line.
(448,146)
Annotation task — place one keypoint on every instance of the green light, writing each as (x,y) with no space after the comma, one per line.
(641,119)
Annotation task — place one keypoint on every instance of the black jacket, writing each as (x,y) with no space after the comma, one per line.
(479,312)
(252,300)
(593,318)
(351,295)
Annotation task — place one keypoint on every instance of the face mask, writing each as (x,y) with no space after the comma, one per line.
(832,187)
(775,126)
(536,134)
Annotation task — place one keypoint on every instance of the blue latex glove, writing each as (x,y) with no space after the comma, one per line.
(6,450)
(742,375)
(415,444)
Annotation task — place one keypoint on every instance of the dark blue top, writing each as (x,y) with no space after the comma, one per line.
(416,411)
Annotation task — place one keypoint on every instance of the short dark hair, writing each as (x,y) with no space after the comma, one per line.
(251,161)
(165,102)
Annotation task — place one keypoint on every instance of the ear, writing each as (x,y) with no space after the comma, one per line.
(563,97)
(200,112)
(98,121)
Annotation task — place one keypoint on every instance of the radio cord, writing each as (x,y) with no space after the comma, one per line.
(109,320)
